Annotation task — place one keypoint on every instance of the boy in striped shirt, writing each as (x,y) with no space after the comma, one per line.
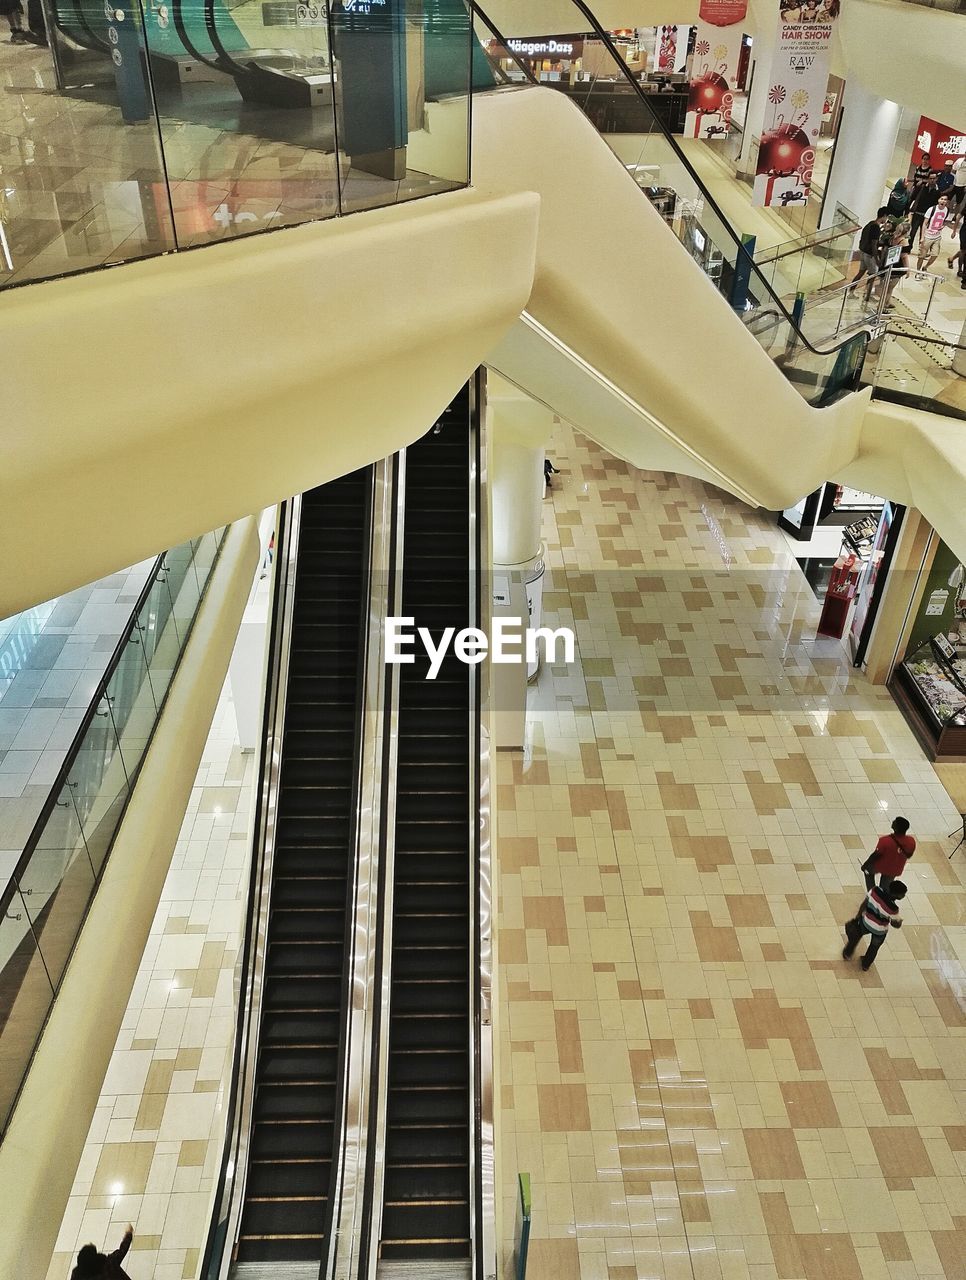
(877,914)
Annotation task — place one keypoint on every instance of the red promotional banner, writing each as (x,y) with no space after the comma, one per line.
(723,13)
(939,141)
(710,97)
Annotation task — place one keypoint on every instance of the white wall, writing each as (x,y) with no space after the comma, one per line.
(862,164)
(288,358)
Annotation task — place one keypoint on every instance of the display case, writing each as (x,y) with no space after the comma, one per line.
(930,688)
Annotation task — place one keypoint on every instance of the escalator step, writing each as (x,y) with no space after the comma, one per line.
(446,1066)
(288,1138)
(277,1064)
(285,1027)
(441,1105)
(445,1220)
(288,1100)
(288,1178)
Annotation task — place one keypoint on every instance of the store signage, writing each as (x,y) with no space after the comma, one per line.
(715,65)
(545,47)
(722,13)
(944,647)
(936,604)
(938,141)
(798,81)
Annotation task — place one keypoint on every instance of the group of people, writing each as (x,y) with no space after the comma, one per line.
(922,207)
(879,909)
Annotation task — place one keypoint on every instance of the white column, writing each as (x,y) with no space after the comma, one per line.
(518,429)
(762,52)
(860,170)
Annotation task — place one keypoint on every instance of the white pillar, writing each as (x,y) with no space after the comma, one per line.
(860,170)
(518,429)
(762,52)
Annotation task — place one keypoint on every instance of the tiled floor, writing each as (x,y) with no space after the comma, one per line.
(698,1083)
(154,1146)
(51,659)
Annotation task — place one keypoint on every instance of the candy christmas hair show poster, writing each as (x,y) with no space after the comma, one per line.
(797,83)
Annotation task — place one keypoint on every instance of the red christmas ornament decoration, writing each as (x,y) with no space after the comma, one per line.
(707,93)
(781,151)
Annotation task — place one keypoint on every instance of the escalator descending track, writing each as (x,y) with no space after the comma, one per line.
(286,1208)
(427,1173)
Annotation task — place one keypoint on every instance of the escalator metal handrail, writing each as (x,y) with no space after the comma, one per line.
(660,128)
(348,1199)
(371,1219)
(229,1193)
(482,1158)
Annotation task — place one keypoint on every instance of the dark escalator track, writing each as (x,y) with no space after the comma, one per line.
(286,1210)
(426,1202)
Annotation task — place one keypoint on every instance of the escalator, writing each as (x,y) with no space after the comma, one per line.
(427,1171)
(286,1200)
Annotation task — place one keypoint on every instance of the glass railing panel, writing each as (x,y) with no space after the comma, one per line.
(26,995)
(403,107)
(100,784)
(922,373)
(48,896)
(83,177)
(56,884)
(159,637)
(130,699)
(182,579)
(246,107)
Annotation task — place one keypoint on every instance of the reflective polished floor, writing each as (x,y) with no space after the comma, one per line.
(699,1085)
(80,188)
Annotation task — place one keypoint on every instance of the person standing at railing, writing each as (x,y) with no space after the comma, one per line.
(869,245)
(931,233)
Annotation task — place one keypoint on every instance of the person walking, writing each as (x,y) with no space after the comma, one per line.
(869,244)
(923,170)
(923,199)
(878,914)
(12,10)
(92,1265)
(959,186)
(959,259)
(900,197)
(889,857)
(549,470)
(931,233)
(945,179)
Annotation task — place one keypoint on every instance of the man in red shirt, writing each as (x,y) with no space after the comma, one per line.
(890,855)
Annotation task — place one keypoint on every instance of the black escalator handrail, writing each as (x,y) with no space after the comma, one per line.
(661,128)
(501,39)
(225,60)
(96,42)
(189,44)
